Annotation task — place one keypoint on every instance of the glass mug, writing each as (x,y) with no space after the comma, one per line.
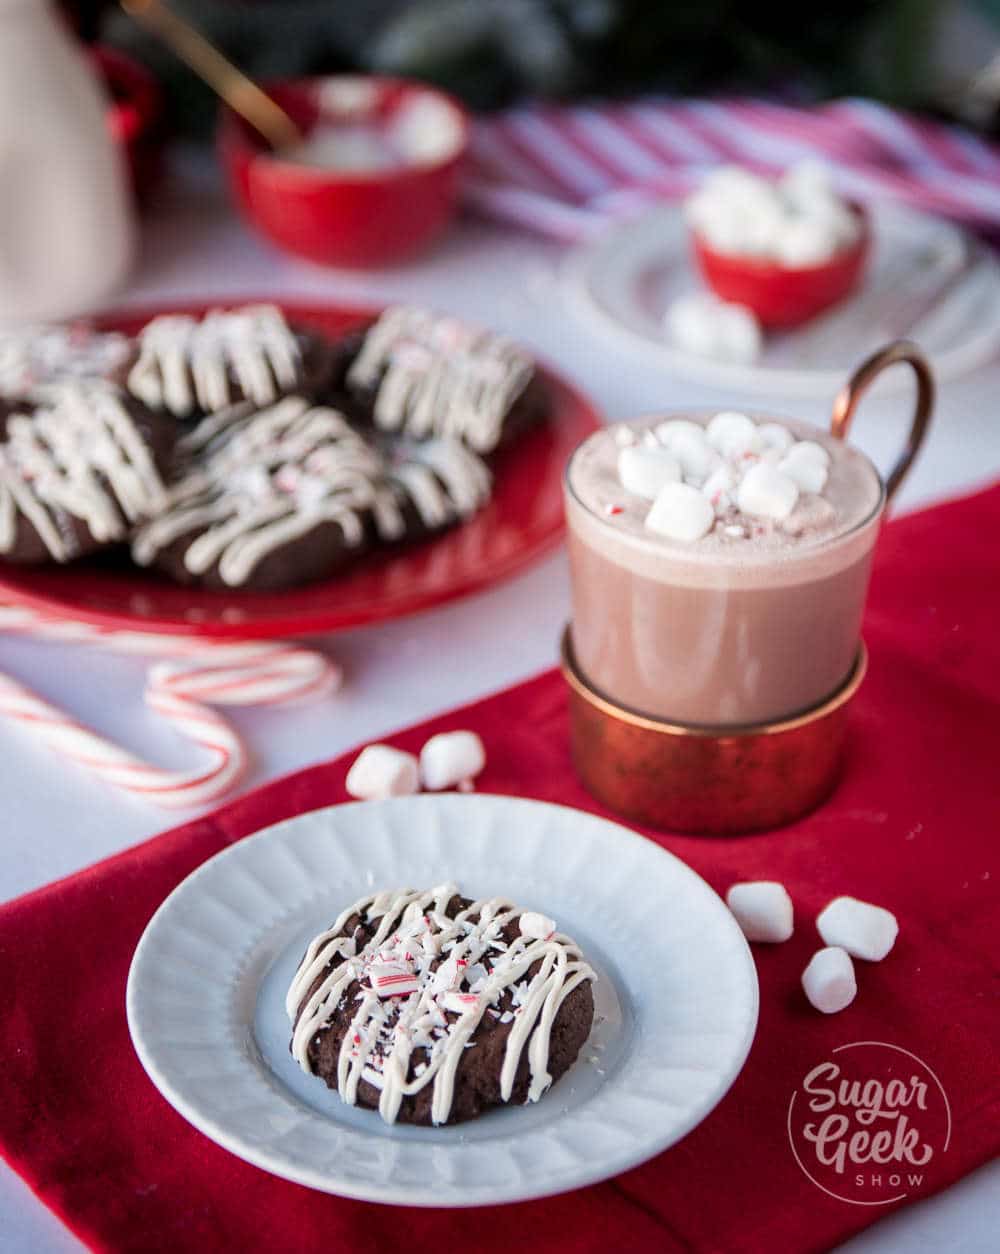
(739,636)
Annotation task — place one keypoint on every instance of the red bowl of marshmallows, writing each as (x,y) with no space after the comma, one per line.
(787,249)
(374,180)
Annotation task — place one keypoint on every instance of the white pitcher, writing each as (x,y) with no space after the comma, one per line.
(66,222)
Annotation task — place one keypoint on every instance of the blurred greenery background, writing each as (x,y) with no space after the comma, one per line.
(925,54)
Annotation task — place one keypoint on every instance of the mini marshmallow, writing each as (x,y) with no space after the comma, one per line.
(763,909)
(806,242)
(809,450)
(828,980)
(766,492)
(718,488)
(643,471)
(536,926)
(694,454)
(809,473)
(733,434)
(381,771)
(861,929)
(701,324)
(450,758)
(681,512)
(774,435)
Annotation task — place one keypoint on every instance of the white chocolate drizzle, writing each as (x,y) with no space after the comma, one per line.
(260,481)
(186,364)
(450,972)
(80,456)
(33,357)
(433,375)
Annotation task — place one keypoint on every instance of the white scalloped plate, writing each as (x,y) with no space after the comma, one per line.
(676,998)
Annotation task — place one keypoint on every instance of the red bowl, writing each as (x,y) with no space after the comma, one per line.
(784,296)
(348,218)
(134,115)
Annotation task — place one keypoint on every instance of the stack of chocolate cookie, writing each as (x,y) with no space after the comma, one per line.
(238,451)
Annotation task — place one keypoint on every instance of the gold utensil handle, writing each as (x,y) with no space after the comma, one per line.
(859,382)
(241,93)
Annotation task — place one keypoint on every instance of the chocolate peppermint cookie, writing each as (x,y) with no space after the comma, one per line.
(422,374)
(78,471)
(191,367)
(294,492)
(432,1008)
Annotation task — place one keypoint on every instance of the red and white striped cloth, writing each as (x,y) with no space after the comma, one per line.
(567,171)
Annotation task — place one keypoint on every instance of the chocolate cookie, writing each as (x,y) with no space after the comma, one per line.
(293,493)
(423,374)
(79,471)
(191,367)
(432,1008)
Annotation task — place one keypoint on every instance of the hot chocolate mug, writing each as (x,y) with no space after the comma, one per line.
(754,621)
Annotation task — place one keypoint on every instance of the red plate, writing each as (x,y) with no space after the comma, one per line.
(523,521)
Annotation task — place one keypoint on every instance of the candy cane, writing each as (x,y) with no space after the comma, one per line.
(179,690)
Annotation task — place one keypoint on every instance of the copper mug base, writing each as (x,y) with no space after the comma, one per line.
(712,781)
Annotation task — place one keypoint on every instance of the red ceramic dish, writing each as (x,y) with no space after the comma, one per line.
(135,110)
(339,217)
(784,296)
(522,522)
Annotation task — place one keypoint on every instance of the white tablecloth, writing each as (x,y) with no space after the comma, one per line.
(57,820)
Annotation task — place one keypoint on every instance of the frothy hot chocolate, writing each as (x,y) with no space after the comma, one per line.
(720,564)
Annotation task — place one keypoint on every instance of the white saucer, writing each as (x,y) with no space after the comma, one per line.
(927,280)
(676,999)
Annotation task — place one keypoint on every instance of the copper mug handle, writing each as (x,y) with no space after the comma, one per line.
(850,395)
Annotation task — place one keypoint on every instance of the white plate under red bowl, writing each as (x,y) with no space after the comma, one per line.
(522,522)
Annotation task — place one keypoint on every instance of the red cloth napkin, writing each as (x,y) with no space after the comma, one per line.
(912,827)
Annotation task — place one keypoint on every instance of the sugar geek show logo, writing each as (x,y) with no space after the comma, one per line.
(868,1124)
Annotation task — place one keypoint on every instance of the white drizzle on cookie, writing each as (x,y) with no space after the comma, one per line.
(433,375)
(429,957)
(188,363)
(263,480)
(81,455)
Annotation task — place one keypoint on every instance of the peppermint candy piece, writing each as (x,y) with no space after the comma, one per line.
(392,979)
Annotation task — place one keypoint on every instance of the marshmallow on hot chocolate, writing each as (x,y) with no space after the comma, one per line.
(807,463)
(766,492)
(763,909)
(381,771)
(773,435)
(864,930)
(644,470)
(688,444)
(718,489)
(733,434)
(451,758)
(681,512)
(828,981)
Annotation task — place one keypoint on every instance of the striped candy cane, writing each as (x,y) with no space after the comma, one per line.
(180,689)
